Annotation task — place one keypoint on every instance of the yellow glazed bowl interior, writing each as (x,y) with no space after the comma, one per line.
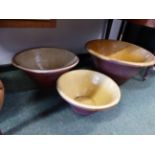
(120,51)
(88,89)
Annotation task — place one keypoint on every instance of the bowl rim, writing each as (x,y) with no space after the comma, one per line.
(74,63)
(84,106)
(128,63)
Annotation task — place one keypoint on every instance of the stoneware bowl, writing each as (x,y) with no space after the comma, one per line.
(120,60)
(45,65)
(88,91)
(1,94)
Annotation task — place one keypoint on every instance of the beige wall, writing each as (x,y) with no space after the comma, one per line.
(69,34)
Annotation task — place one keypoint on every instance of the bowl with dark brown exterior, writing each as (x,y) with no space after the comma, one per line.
(45,65)
(118,59)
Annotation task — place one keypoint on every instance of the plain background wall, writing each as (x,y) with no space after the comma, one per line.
(69,34)
(115,29)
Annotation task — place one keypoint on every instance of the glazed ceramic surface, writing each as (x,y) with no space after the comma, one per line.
(45,65)
(120,60)
(88,91)
(1,94)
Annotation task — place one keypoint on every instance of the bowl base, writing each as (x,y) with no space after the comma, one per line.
(119,73)
(45,81)
(82,111)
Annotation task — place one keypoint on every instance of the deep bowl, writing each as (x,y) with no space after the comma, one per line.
(1,94)
(45,65)
(120,60)
(88,91)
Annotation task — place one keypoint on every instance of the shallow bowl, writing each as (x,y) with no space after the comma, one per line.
(45,65)
(120,60)
(88,91)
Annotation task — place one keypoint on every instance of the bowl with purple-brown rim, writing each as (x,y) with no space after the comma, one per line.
(88,91)
(45,65)
(118,59)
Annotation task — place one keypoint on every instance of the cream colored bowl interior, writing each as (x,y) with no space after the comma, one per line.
(89,89)
(44,59)
(121,51)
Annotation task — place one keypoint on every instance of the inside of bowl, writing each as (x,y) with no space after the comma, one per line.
(45,58)
(120,51)
(90,88)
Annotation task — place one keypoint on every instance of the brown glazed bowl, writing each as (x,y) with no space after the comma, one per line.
(120,60)
(88,91)
(45,65)
(1,94)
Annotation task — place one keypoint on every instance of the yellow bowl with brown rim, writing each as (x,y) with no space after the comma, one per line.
(88,91)
(118,59)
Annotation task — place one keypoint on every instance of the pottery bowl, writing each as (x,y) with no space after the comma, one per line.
(1,94)
(118,59)
(45,65)
(88,91)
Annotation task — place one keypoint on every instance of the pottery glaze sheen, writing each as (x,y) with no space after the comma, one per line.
(45,65)
(1,94)
(120,60)
(88,91)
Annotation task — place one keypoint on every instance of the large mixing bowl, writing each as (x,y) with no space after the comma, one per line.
(120,60)
(45,65)
(1,94)
(88,91)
